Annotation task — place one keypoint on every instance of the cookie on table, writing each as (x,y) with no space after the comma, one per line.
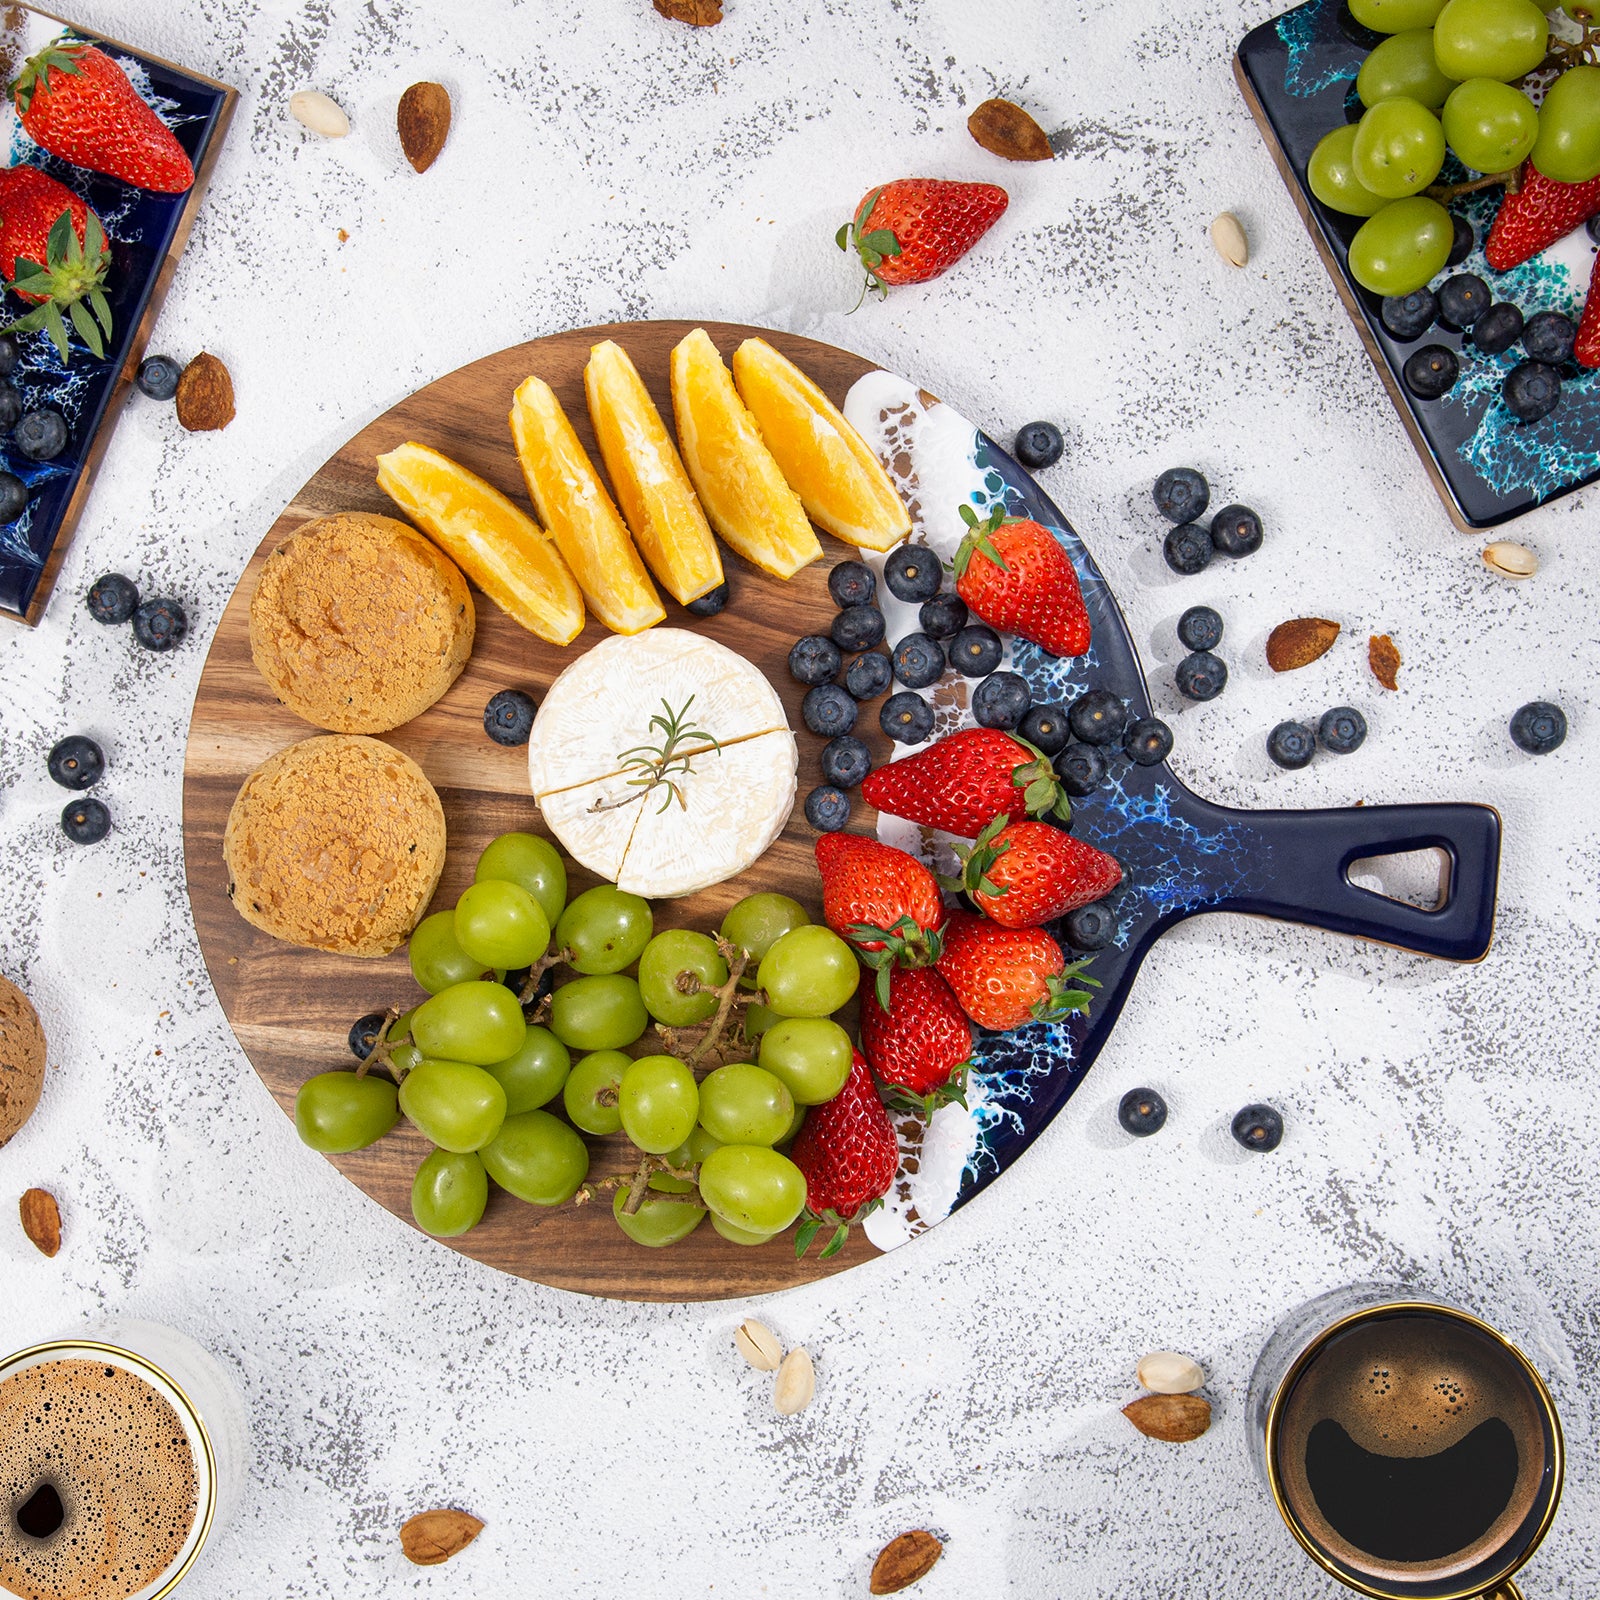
(359,623)
(336,843)
(21,1059)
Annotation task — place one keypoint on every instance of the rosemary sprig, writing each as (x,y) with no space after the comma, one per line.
(661,765)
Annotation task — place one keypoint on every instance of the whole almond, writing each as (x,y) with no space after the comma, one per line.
(424,123)
(1176,1418)
(22,1052)
(1299,642)
(1006,130)
(796,1383)
(1228,235)
(697,13)
(434,1536)
(758,1345)
(1510,560)
(205,395)
(41,1220)
(1384,660)
(904,1560)
(1166,1372)
(312,109)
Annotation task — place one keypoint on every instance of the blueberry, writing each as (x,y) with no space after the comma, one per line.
(1147,742)
(1548,336)
(10,354)
(76,762)
(1046,728)
(851,583)
(41,435)
(815,659)
(1200,628)
(857,628)
(906,717)
(1001,700)
(1201,676)
(1098,717)
(1142,1112)
(160,624)
(913,572)
(975,651)
(1236,531)
(364,1033)
(868,675)
(508,717)
(1188,549)
(918,661)
(1498,328)
(1258,1127)
(13,497)
(1090,927)
(942,617)
(1532,390)
(86,821)
(828,710)
(1463,299)
(113,598)
(827,808)
(10,403)
(1592,228)
(158,377)
(1080,768)
(1292,745)
(1341,730)
(1038,444)
(1464,242)
(711,603)
(1538,727)
(1431,372)
(845,761)
(1181,494)
(1409,316)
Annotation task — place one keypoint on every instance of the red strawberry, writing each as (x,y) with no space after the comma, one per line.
(1587,348)
(1018,577)
(78,103)
(885,902)
(920,1042)
(1024,874)
(962,783)
(848,1153)
(1538,214)
(1005,977)
(915,228)
(53,253)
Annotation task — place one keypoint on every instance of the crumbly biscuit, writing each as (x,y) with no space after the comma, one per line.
(359,623)
(21,1059)
(336,843)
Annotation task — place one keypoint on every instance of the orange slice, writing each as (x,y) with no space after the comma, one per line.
(741,486)
(501,548)
(828,464)
(653,490)
(573,504)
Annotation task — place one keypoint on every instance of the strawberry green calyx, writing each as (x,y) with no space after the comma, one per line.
(61,55)
(71,279)
(815,1222)
(953,1092)
(978,857)
(871,247)
(980,539)
(1041,789)
(904,944)
(1067,993)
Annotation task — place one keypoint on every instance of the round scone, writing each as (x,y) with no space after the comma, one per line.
(360,623)
(21,1059)
(336,843)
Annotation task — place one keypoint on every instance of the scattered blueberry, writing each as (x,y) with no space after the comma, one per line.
(1258,1127)
(1046,728)
(1409,316)
(1200,628)
(1463,299)
(1090,927)
(845,761)
(828,710)
(827,808)
(1548,336)
(1532,390)
(906,717)
(76,762)
(1341,730)
(1236,531)
(1188,549)
(86,821)
(711,603)
(1498,328)
(40,435)
(160,624)
(364,1033)
(976,651)
(918,661)
(1538,727)
(1431,372)
(857,628)
(1181,494)
(943,617)
(815,659)
(851,583)
(10,354)
(10,403)
(1292,745)
(913,572)
(1038,444)
(868,675)
(158,377)
(1592,228)
(1080,768)
(1142,1112)
(1001,700)
(1147,742)
(1464,242)
(1201,676)
(1098,717)
(508,717)
(13,497)
(113,598)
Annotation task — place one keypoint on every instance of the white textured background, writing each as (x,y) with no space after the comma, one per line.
(607,164)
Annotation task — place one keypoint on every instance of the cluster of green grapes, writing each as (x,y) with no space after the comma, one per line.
(1447,78)
(477,1079)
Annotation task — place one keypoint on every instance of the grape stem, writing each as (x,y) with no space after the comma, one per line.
(1445,192)
(551,958)
(639,1184)
(380,1053)
(727,994)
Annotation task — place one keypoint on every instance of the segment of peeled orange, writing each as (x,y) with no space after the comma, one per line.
(741,487)
(500,547)
(828,464)
(573,504)
(652,488)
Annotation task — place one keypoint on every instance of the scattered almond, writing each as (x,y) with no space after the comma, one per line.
(41,1220)
(1177,1418)
(1166,1372)
(697,13)
(434,1536)
(796,1383)
(1228,235)
(904,1560)
(1007,130)
(1510,560)
(312,109)
(758,1345)
(424,123)
(1384,659)
(205,395)
(21,1059)
(1299,642)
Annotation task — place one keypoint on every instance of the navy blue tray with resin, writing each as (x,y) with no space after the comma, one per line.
(1297,73)
(146,232)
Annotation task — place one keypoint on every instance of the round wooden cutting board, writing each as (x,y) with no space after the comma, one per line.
(291,1009)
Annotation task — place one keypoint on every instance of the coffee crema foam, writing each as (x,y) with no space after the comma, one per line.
(114,1450)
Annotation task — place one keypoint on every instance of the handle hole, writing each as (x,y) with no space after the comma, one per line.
(1419,878)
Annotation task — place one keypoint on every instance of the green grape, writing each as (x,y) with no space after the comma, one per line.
(477,1022)
(1332,176)
(657,1222)
(745,1104)
(437,961)
(531,863)
(605,928)
(809,972)
(591,1076)
(757,1019)
(538,1158)
(1502,39)
(1568,147)
(501,925)
(810,1055)
(403,1057)
(532,1076)
(449,1193)
(796,1123)
(664,958)
(1402,247)
(1490,126)
(757,922)
(458,1106)
(337,1111)
(660,1102)
(1583,10)
(599,1013)
(736,1235)
(752,1187)
(1399,148)
(694,1149)
(1395,16)
(1403,67)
